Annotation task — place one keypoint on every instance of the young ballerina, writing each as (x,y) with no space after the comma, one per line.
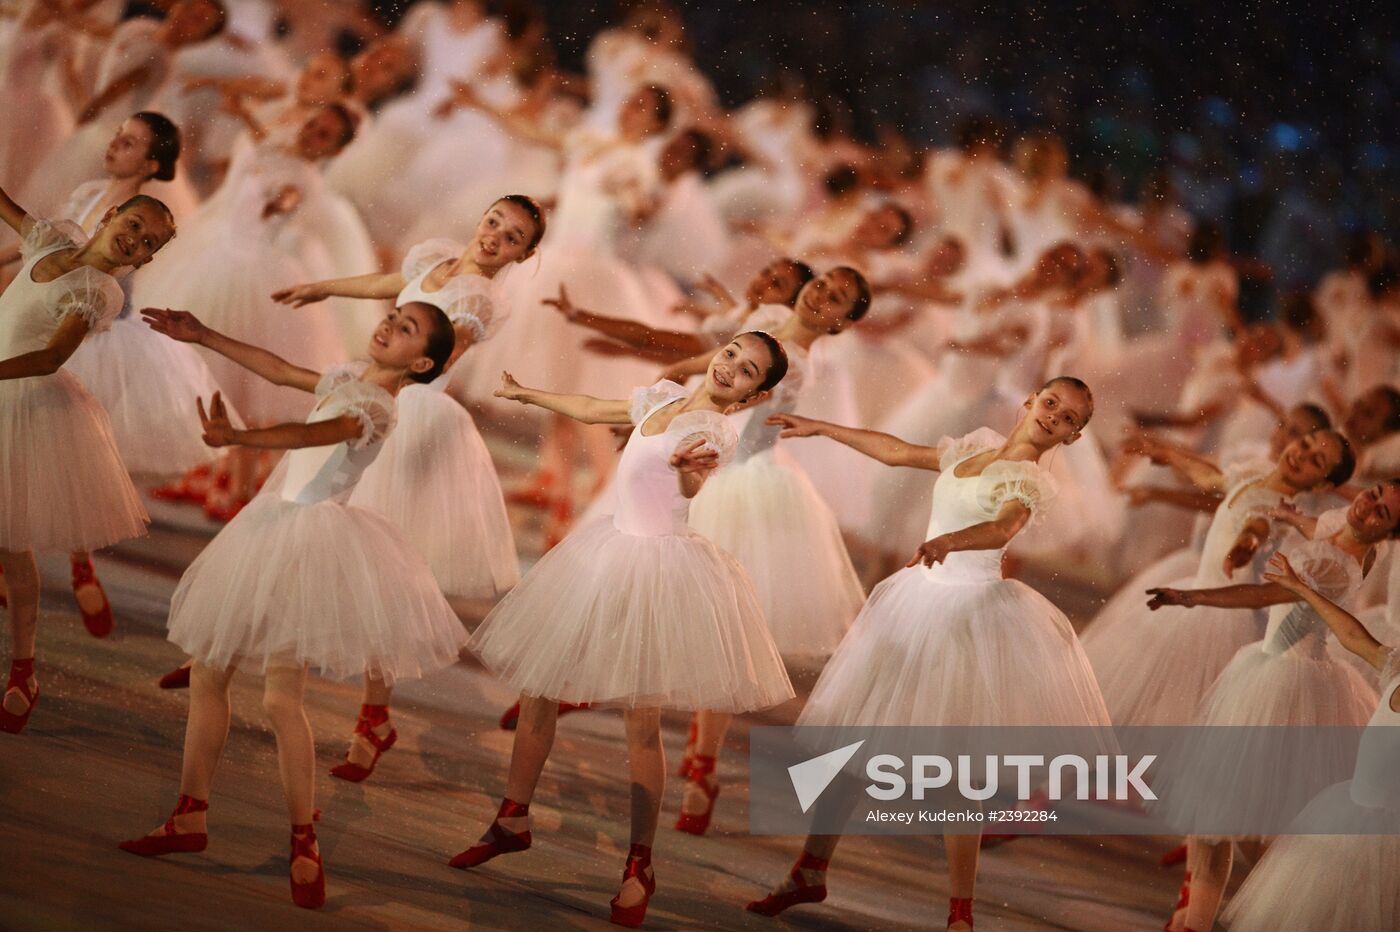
(1288,678)
(947,640)
(435,480)
(62,482)
(1335,881)
(300,578)
(1154,670)
(635,609)
(765,511)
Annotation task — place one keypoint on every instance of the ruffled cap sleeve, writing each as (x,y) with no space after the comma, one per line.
(370,404)
(428,255)
(1007,481)
(337,376)
(48,235)
(953,450)
(92,295)
(709,426)
(1327,571)
(647,398)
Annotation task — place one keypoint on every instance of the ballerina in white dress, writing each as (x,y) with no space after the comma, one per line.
(636,609)
(301,578)
(253,236)
(1155,670)
(1337,882)
(1286,679)
(435,480)
(62,482)
(947,640)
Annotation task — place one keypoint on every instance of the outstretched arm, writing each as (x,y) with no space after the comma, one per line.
(989,535)
(886,448)
(630,332)
(375,285)
(1243,596)
(583,408)
(1188,465)
(185,327)
(47,361)
(219,432)
(1349,631)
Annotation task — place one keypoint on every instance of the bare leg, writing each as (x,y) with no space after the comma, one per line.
(962,852)
(647,764)
(1210,872)
(22,574)
(284,703)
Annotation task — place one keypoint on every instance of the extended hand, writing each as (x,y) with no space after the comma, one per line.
(795,426)
(177,325)
(510,389)
(694,457)
(931,552)
(1281,571)
(301,295)
(218,432)
(1178,597)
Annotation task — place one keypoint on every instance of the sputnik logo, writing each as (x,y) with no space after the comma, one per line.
(811,777)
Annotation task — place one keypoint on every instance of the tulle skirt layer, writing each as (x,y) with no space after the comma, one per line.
(1215,783)
(1155,667)
(63,485)
(766,514)
(435,481)
(1325,883)
(148,384)
(621,619)
(930,651)
(329,585)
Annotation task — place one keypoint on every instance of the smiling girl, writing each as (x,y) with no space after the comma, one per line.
(62,482)
(635,610)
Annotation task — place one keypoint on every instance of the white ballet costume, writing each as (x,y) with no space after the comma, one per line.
(302,577)
(147,382)
(955,644)
(63,485)
(636,609)
(434,478)
(1154,667)
(763,509)
(1337,882)
(226,263)
(1288,678)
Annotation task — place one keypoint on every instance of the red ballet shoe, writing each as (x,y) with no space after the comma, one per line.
(638,868)
(20,673)
(775,903)
(1174,857)
(960,910)
(500,841)
(171,841)
(178,678)
(691,735)
(510,718)
(98,623)
(312,894)
(697,823)
(192,487)
(371,717)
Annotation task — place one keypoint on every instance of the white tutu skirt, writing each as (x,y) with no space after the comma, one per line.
(148,384)
(435,481)
(1325,883)
(636,621)
(1210,784)
(329,585)
(930,648)
(1155,668)
(63,485)
(766,514)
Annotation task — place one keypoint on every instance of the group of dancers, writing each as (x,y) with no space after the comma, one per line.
(204,303)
